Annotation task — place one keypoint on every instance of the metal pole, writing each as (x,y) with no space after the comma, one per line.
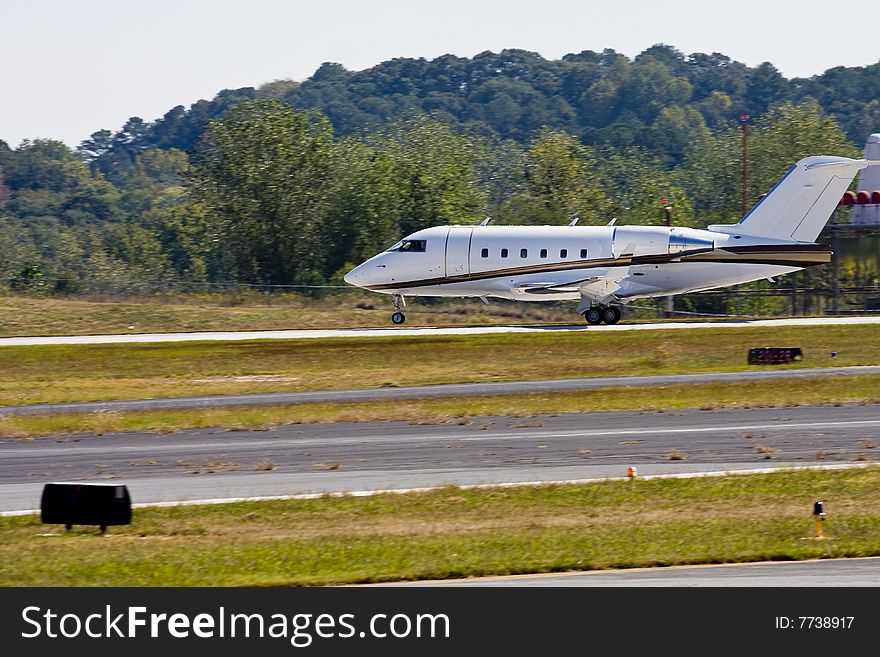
(835,246)
(745,162)
(670,300)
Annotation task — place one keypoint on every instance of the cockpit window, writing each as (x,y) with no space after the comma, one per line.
(412,246)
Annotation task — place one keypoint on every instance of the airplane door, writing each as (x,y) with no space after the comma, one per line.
(458,246)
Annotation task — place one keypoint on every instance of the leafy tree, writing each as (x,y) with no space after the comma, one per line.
(185,238)
(261,174)
(606,98)
(869,121)
(46,178)
(140,249)
(156,179)
(670,57)
(435,170)
(765,86)
(560,182)
(640,188)
(712,169)
(99,144)
(716,73)
(277,89)
(599,103)
(676,130)
(717,109)
(5,192)
(31,280)
(365,203)
(788,133)
(651,86)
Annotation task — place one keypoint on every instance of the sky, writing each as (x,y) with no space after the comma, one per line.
(71,67)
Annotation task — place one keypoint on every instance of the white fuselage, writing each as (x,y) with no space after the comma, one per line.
(607,263)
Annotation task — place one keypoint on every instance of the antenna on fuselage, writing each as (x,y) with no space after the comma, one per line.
(574,221)
(612,222)
(485,221)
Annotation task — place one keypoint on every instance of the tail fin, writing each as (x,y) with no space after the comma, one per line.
(800,204)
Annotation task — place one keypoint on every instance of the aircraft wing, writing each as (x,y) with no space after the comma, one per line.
(595,289)
(545,288)
(599,289)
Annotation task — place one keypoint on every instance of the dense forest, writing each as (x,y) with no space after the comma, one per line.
(291,183)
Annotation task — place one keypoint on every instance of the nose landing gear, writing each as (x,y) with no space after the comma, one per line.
(599,314)
(398,317)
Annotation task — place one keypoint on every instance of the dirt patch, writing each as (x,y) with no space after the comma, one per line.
(252,378)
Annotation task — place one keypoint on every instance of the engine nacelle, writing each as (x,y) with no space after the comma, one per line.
(680,245)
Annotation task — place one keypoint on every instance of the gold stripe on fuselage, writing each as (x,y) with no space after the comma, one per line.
(795,255)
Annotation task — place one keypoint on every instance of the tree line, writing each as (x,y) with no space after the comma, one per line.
(655,100)
(277,186)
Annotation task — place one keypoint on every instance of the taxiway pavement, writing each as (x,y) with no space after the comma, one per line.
(209,464)
(824,573)
(350,395)
(422,331)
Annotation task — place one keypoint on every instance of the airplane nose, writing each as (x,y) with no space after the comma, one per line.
(355,276)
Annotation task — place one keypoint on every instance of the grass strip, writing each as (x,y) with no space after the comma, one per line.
(708,396)
(244,311)
(56,373)
(454,532)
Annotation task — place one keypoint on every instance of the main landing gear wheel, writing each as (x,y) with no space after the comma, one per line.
(593,316)
(599,314)
(611,315)
(398,318)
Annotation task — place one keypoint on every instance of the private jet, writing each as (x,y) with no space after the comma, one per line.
(604,267)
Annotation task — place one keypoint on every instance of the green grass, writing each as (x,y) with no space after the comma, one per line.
(454,532)
(827,390)
(249,311)
(92,372)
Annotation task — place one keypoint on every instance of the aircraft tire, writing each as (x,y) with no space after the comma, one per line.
(593,316)
(611,315)
(398,318)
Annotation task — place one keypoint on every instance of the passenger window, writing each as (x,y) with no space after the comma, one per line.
(484,253)
(503,253)
(523,253)
(563,253)
(583,253)
(543,253)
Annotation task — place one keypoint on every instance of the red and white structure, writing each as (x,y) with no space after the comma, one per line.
(866,201)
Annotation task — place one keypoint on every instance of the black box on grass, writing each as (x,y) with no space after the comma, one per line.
(775,355)
(72,504)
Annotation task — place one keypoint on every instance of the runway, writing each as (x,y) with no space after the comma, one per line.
(209,464)
(422,331)
(825,573)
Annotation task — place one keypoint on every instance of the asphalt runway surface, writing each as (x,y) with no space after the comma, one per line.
(350,395)
(422,331)
(825,573)
(208,464)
